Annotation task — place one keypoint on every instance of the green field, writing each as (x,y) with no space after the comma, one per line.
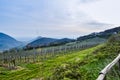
(43,69)
(77,65)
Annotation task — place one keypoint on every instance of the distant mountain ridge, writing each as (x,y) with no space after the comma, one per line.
(8,42)
(43,42)
(104,34)
(99,37)
(39,42)
(61,41)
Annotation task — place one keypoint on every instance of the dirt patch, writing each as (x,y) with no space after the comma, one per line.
(13,68)
(38,79)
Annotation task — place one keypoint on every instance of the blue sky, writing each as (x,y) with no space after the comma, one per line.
(27,19)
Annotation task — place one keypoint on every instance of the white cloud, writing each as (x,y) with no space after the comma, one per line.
(48,11)
(52,18)
(106,11)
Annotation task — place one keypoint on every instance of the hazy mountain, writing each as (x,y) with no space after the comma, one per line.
(61,41)
(91,38)
(41,41)
(104,34)
(7,42)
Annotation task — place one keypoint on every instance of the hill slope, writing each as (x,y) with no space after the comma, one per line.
(62,41)
(81,64)
(43,70)
(42,41)
(92,64)
(7,42)
(104,34)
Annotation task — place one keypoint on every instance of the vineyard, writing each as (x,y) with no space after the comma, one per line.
(13,58)
(66,62)
(58,62)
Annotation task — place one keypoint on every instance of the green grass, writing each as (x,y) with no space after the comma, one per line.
(43,69)
(83,65)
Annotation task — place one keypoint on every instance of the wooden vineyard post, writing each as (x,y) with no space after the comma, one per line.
(9,61)
(33,54)
(65,49)
(41,55)
(60,48)
(20,59)
(14,62)
(25,59)
(16,57)
(44,54)
(2,59)
(76,46)
(53,51)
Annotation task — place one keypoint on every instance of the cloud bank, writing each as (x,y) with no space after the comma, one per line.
(50,18)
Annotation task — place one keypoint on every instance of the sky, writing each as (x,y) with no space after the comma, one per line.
(28,19)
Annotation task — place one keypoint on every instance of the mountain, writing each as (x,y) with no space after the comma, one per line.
(40,42)
(7,42)
(99,37)
(61,41)
(43,42)
(104,34)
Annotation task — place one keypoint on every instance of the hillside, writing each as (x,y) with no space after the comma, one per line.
(42,41)
(43,70)
(73,61)
(62,41)
(104,34)
(99,37)
(79,64)
(7,42)
(92,64)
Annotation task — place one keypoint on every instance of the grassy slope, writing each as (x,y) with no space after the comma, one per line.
(43,69)
(86,68)
(84,65)
(89,67)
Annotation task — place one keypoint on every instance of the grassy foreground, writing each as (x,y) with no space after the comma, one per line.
(78,65)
